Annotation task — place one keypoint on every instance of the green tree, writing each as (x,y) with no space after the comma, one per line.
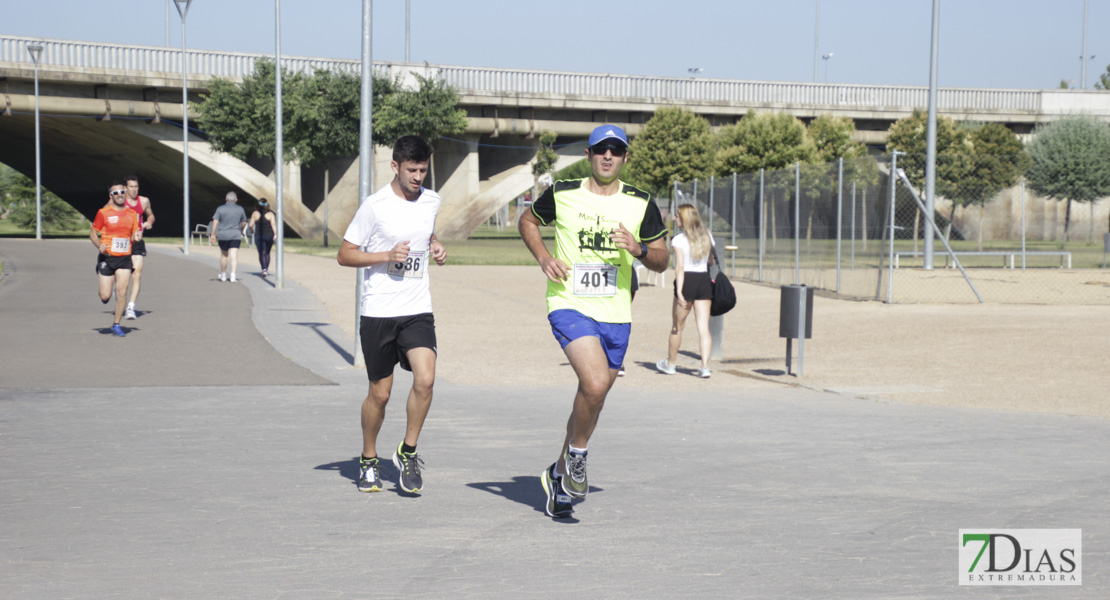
(545,160)
(431,111)
(1103,82)
(675,145)
(320,114)
(770,141)
(1070,160)
(997,161)
(18,191)
(909,135)
(763,141)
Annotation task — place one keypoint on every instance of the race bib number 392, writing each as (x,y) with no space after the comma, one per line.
(413,267)
(595,280)
(121,245)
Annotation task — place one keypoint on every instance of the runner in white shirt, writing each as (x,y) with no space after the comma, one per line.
(393,237)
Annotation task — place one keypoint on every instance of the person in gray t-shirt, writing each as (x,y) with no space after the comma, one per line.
(227,230)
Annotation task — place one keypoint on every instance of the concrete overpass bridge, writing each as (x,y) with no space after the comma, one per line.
(110,109)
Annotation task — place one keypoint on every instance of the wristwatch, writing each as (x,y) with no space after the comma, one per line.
(643,250)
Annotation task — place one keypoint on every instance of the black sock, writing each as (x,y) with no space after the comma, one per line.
(407,449)
(365,459)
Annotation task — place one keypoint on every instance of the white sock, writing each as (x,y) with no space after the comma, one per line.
(574,450)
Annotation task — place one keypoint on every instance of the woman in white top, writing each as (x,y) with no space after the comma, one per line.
(692,287)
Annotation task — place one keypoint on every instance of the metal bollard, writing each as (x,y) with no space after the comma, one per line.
(796,321)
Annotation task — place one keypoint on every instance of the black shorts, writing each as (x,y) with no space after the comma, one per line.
(138,248)
(695,286)
(386,340)
(107,265)
(229,244)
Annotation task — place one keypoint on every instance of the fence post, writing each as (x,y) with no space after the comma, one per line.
(839,214)
(709,215)
(733,225)
(674,199)
(890,255)
(853,227)
(797,223)
(1023,224)
(762,225)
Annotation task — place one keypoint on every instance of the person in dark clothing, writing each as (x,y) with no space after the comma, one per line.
(263,224)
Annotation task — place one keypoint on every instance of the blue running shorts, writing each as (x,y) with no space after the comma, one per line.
(568,325)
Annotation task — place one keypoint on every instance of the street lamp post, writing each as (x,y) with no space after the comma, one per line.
(365,150)
(36,53)
(279,156)
(826,57)
(183,10)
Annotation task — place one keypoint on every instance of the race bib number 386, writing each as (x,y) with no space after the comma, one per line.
(595,280)
(413,267)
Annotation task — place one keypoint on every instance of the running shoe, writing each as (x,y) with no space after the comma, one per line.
(557,505)
(409,465)
(368,478)
(704,373)
(574,482)
(665,367)
(232,278)
(130,313)
(117,330)
(223,277)
(620,371)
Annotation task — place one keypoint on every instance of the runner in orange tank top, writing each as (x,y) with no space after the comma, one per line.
(113,231)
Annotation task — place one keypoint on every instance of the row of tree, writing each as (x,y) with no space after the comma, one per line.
(321,112)
(17,205)
(1066,160)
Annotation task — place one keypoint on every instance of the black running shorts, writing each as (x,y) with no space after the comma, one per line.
(138,248)
(107,265)
(695,286)
(387,340)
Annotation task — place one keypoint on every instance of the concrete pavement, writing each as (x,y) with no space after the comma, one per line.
(245,488)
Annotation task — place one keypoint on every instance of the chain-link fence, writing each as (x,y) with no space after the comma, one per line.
(827,226)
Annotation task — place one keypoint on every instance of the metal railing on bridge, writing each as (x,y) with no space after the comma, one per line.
(493,81)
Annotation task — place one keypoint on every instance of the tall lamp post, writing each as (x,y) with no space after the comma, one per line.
(365,150)
(826,57)
(183,10)
(35,50)
(279,157)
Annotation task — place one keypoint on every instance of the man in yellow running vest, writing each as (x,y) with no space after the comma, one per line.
(601,225)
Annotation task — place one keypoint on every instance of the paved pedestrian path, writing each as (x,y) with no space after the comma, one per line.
(243,487)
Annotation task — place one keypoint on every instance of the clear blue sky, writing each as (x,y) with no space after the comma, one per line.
(983,43)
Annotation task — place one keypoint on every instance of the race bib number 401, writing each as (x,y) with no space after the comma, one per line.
(413,267)
(595,280)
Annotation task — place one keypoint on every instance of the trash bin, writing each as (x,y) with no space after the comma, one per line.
(794,300)
(790,305)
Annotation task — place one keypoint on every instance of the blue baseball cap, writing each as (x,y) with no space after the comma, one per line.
(607,132)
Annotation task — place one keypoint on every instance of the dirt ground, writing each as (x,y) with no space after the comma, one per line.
(1038,357)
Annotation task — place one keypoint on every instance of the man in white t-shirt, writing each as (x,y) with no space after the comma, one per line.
(393,237)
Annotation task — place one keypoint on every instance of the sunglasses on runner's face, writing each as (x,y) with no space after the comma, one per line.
(616,149)
(118,192)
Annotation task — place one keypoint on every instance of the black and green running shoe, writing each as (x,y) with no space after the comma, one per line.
(368,478)
(409,465)
(558,504)
(574,482)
